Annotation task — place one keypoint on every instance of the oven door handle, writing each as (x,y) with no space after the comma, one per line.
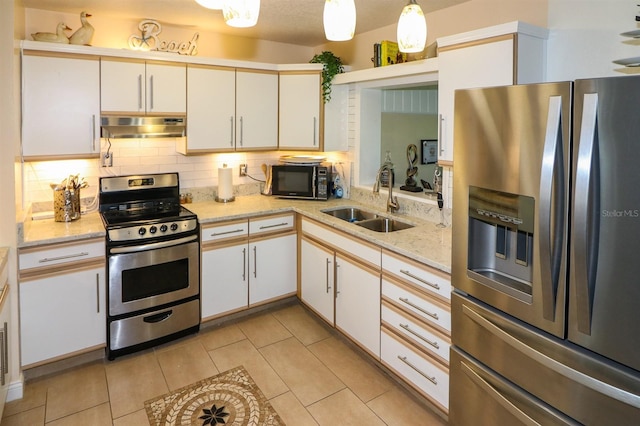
(152,246)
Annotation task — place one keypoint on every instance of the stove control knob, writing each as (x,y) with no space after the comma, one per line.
(174,226)
(142,231)
(153,229)
(163,228)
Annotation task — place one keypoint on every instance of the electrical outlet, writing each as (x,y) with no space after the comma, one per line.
(107,159)
(243,169)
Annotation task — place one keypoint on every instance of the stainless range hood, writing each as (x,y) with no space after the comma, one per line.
(142,127)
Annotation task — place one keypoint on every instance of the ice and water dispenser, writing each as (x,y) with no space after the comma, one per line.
(501,231)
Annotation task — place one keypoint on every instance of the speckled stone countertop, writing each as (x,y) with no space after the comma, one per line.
(425,242)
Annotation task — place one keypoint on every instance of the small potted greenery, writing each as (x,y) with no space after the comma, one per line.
(332,65)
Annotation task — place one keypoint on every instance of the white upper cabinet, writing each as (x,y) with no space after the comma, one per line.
(256,110)
(336,119)
(300,106)
(61,106)
(503,55)
(142,87)
(211,110)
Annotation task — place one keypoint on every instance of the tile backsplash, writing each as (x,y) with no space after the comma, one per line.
(198,173)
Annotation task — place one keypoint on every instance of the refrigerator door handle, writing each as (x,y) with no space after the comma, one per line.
(497,396)
(585,217)
(550,363)
(552,213)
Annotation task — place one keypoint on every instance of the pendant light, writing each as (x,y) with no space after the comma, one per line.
(241,13)
(339,19)
(412,29)
(210,4)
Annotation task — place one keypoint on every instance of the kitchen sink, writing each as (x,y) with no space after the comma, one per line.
(384,224)
(351,214)
(368,220)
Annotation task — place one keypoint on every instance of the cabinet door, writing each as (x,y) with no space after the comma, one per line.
(358,303)
(211,109)
(272,268)
(478,65)
(122,86)
(316,278)
(166,88)
(62,314)
(225,280)
(256,110)
(300,102)
(336,120)
(61,106)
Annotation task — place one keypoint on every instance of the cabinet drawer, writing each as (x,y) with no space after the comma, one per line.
(225,231)
(342,242)
(61,253)
(271,224)
(421,275)
(424,336)
(425,374)
(429,310)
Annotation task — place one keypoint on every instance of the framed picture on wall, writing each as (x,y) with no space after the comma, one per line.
(429,151)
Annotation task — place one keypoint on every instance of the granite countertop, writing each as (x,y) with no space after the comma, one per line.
(425,242)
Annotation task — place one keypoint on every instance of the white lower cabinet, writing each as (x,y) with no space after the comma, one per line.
(416,326)
(316,270)
(342,288)
(62,307)
(358,302)
(247,263)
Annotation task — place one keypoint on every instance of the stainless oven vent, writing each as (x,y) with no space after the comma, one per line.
(142,127)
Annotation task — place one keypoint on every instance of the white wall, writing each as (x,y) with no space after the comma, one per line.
(585,38)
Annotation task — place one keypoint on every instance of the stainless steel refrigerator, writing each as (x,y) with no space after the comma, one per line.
(546,254)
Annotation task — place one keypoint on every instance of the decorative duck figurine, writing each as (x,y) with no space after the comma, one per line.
(58,37)
(84,34)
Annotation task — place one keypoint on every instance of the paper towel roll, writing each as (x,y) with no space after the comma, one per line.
(225,184)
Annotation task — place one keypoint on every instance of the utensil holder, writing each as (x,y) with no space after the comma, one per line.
(66,204)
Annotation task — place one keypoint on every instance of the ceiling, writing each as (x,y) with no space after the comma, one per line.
(287,21)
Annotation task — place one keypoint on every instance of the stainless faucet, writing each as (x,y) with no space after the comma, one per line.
(392,202)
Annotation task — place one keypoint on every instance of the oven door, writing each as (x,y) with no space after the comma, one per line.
(151,275)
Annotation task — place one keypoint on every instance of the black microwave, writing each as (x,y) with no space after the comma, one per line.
(312,182)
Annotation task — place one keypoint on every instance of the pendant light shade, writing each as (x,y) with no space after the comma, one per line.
(241,13)
(339,19)
(210,4)
(412,29)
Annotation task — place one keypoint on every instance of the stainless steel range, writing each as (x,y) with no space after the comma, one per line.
(153,262)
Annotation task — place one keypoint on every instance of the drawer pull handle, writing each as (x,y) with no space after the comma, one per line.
(429,378)
(244,264)
(415,277)
(217,234)
(413,305)
(327,275)
(274,225)
(69,256)
(419,336)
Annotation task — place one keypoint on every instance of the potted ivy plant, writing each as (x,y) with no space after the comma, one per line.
(332,65)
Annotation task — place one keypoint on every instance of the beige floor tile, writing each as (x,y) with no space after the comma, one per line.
(34,395)
(77,390)
(412,414)
(186,364)
(264,330)
(33,417)
(343,408)
(244,353)
(301,324)
(303,373)
(291,410)
(134,419)
(132,381)
(365,380)
(215,338)
(96,416)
